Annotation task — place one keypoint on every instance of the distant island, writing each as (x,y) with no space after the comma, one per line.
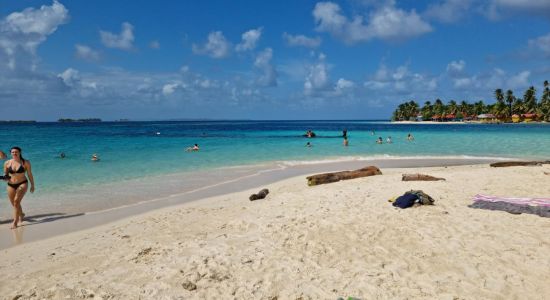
(507,109)
(89,120)
(17,121)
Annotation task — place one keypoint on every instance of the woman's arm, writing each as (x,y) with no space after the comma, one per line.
(29,173)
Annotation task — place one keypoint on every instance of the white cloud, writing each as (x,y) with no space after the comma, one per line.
(463,82)
(343,85)
(541,43)
(70,77)
(317,78)
(169,88)
(154,45)
(249,40)
(387,22)
(263,63)
(22,32)
(448,11)
(400,80)
(520,80)
(496,9)
(216,46)
(123,41)
(86,53)
(302,40)
(456,68)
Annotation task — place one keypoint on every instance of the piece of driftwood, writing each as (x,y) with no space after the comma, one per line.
(260,195)
(344,175)
(519,163)
(420,177)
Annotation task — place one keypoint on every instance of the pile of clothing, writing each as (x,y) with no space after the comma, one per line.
(412,197)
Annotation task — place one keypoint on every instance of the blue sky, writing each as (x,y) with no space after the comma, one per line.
(356,59)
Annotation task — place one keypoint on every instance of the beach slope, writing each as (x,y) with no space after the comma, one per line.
(323,242)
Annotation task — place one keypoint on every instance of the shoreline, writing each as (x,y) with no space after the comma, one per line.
(50,224)
(342,239)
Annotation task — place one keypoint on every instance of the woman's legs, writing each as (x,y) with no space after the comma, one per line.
(16,196)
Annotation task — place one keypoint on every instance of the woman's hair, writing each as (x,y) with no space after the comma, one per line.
(20,152)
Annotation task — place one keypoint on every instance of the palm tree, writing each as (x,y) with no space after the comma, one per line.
(479,107)
(499,96)
(530,100)
(545,102)
(452,108)
(509,100)
(426,111)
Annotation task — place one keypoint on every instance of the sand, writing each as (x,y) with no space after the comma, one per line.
(335,240)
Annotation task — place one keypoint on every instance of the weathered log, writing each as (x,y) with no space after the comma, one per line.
(419,177)
(260,195)
(344,175)
(519,163)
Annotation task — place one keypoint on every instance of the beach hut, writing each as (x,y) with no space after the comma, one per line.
(450,117)
(419,118)
(515,118)
(436,118)
(529,117)
(487,118)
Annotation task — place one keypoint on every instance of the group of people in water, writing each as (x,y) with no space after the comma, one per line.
(310,134)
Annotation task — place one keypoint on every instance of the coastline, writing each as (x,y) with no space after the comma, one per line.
(52,223)
(324,242)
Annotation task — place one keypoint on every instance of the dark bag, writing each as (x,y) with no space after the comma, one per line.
(405,201)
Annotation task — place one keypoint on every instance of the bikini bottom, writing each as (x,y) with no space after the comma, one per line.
(16,185)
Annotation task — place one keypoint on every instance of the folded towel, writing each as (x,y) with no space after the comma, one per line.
(514,200)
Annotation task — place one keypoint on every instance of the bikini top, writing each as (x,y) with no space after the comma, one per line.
(21,169)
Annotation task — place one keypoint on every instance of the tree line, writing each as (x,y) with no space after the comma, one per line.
(505,106)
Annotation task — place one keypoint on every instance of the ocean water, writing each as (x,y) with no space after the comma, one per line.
(145,160)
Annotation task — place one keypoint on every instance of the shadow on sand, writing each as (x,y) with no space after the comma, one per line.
(43,218)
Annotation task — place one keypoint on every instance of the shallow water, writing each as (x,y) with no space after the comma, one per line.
(142,160)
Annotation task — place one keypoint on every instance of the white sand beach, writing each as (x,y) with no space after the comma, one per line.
(335,240)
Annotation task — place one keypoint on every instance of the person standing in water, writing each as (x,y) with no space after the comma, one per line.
(346,142)
(18,182)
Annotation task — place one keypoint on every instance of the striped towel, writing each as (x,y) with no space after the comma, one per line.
(514,200)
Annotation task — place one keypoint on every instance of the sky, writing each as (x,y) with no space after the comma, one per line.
(355,59)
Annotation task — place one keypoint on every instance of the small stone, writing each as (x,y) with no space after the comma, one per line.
(188,285)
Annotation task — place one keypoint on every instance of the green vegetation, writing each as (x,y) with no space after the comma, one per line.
(507,108)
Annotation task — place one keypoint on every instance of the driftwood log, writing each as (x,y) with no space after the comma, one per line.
(260,195)
(519,163)
(344,175)
(419,177)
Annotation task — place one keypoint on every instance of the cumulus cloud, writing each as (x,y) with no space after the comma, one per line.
(263,63)
(301,41)
(124,40)
(386,22)
(318,78)
(169,88)
(249,40)
(520,80)
(86,53)
(448,11)
(497,9)
(541,43)
(343,85)
(400,80)
(22,32)
(456,68)
(216,46)
(154,45)
(70,77)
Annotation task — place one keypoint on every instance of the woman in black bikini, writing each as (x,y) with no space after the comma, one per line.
(17,182)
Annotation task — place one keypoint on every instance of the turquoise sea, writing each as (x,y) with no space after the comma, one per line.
(139,157)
